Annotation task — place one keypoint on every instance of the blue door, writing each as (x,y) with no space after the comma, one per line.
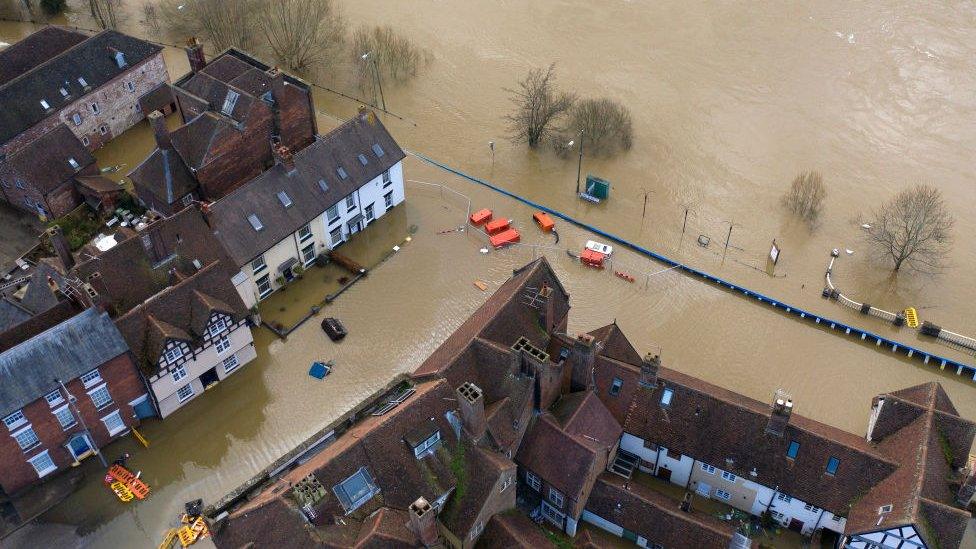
(79,446)
(144,409)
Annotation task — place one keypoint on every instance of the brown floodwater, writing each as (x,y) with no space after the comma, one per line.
(729,101)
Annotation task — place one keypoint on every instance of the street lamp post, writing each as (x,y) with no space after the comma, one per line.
(376,75)
(579,166)
(491,145)
(73,402)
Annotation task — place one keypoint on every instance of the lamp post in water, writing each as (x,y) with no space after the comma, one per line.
(579,166)
(369,58)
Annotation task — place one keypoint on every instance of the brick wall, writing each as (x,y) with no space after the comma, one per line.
(57,202)
(124,385)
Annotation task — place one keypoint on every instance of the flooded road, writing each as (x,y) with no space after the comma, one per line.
(729,103)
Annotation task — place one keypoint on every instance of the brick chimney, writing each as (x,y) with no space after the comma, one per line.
(194,53)
(423,522)
(278,96)
(780,414)
(648,372)
(61,248)
(583,359)
(283,155)
(158,123)
(472,403)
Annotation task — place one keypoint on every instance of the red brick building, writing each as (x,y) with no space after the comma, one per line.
(63,394)
(230,108)
(59,77)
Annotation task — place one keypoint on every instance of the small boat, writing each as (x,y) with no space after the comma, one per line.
(334,329)
(321,369)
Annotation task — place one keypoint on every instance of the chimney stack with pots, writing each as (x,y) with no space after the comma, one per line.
(61,248)
(423,522)
(472,404)
(583,359)
(283,155)
(158,123)
(277,97)
(649,368)
(194,53)
(780,414)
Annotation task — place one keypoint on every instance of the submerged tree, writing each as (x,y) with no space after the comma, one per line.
(806,195)
(105,12)
(538,107)
(913,228)
(395,55)
(222,23)
(606,126)
(302,33)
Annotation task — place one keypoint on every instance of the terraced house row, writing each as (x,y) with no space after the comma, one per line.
(511,416)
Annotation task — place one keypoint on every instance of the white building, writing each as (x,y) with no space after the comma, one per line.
(308,203)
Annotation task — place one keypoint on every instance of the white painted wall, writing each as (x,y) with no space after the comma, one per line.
(597,520)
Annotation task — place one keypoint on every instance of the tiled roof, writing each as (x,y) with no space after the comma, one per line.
(164,175)
(715,425)
(655,516)
(44,162)
(386,527)
(582,414)
(35,49)
(73,347)
(93,60)
(483,468)
(318,161)
(510,530)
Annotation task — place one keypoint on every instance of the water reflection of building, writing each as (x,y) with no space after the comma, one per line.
(602,435)
(63,92)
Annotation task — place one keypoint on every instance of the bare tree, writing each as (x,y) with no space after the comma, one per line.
(806,195)
(222,23)
(396,57)
(913,228)
(538,107)
(303,33)
(606,127)
(150,18)
(105,12)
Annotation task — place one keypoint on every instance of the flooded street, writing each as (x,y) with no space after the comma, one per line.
(729,102)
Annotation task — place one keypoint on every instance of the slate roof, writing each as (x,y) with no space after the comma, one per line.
(92,59)
(655,516)
(80,344)
(164,175)
(320,160)
(512,529)
(920,429)
(12,313)
(713,425)
(43,163)
(35,49)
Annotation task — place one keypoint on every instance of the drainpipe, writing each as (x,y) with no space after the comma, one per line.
(693,463)
(72,402)
(772,498)
(817,525)
(657,458)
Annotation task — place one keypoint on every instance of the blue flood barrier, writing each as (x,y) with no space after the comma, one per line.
(896,346)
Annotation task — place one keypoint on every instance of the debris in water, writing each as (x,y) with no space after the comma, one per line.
(849,251)
(866,226)
(396,248)
(480,285)
(483,250)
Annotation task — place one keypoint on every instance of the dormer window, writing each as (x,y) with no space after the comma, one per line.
(174,354)
(73,163)
(885,509)
(44,104)
(218,326)
(429,444)
(229,102)
(120,59)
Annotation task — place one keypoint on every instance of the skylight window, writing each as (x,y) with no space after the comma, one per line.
(255,222)
(342,173)
(793,450)
(323,185)
(284,199)
(666,397)
(229,102)
(82,81)
(832,465)
(363,160)
(45,104)
(64,92)
(120,59)
(74,163)
(377,150)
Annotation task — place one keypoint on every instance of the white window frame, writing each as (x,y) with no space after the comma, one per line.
(723,495)
(305,233)
(99,389)
(116,414)
(533,481)
(431,442)
(388,200)
(222,344)
(728,476)
(54,398)
(103,129)
(707,468)
(811,507)
(23,430)
(332,236)
(386,178)
(90,379)
(667,396)
(77,119)
(783,497)
(58,414)
(557,498)
(94,107)
(264,293)
(369,213)
(310,252)
(15,420)
(41,473)
(45,105)
(178,373)
(174,354)
(332,214)
(73,163)
(343,496)
(552,514)
(350,203)
(185,397)
(258,265)
(231,363)
(217,326)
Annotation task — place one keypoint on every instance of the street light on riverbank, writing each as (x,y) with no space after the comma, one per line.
(368,58)
(579,166)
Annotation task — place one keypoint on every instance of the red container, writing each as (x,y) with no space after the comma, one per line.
(497,226)
(480,216)
(592,258)
(543,220)
(504,238)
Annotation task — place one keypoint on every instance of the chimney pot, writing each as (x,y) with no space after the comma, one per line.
(195,55)
(423,521)
(158,123)
(472,404)
(779,416)
(283,155)
(649,370)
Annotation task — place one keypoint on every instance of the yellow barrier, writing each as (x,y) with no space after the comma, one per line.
(911,317)
(140,438)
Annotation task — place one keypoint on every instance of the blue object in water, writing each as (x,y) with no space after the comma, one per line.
(320,369)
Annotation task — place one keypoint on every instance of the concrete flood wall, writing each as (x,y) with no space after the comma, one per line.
(833,325)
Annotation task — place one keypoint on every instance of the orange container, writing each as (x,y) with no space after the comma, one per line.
(543,220)
(592,258)
(480,216)
(505,238)
(496,226)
